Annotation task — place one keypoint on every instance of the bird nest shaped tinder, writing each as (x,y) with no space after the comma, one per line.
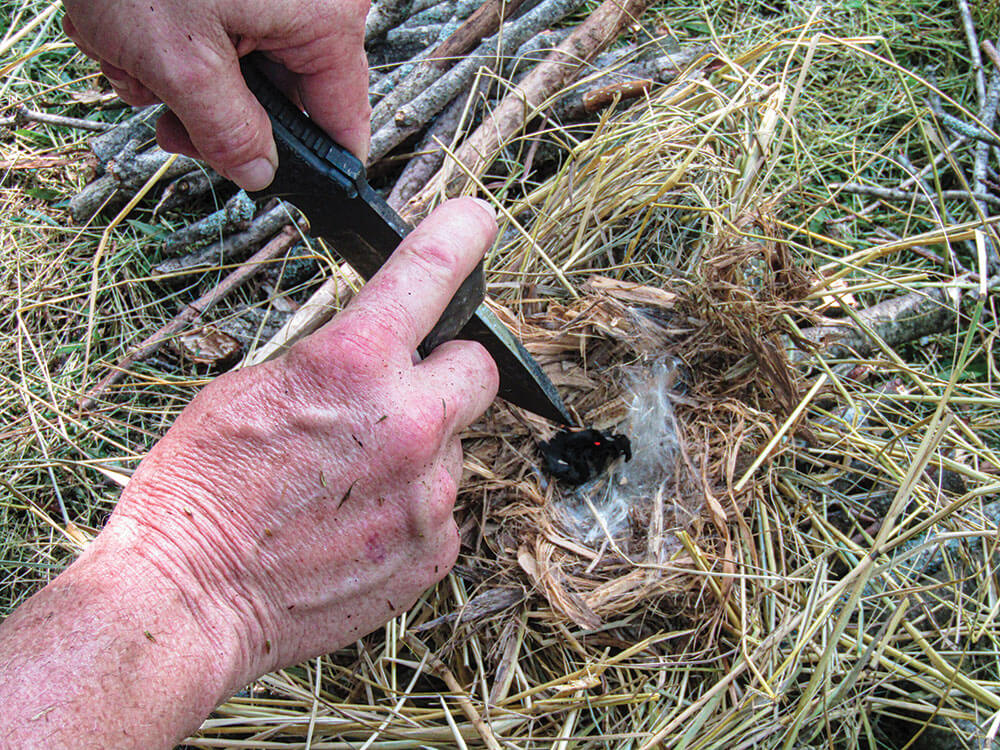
(694,374)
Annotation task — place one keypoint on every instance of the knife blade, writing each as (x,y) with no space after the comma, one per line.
(328,184)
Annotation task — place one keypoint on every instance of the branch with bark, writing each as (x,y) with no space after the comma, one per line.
(191,313)
(895,321)
(559,68)
(395,119)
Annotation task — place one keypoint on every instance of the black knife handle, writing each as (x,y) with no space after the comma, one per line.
(328,184)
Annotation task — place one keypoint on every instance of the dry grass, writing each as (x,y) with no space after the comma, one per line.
(834,587)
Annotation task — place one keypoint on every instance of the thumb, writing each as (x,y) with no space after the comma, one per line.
(217,118)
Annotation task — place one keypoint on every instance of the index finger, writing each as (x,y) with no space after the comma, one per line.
(402,302)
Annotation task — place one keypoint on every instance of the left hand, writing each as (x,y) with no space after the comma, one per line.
(186,54)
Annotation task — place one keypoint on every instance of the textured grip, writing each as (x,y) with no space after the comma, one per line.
(327,183)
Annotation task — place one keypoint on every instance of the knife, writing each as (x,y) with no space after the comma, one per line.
(328,184)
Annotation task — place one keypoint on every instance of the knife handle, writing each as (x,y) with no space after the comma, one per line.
(328,184)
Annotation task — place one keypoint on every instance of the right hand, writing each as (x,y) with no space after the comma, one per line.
(186,54)
(306,501)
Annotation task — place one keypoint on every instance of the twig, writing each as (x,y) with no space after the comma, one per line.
(187,188)
(896,321)
(430,155)
(982,154)
(977,59)
(409,119)
(192,312)
(139,127)
(627,82)
(962,127)
(23,115)
(478,609)
(910,168)
(895,194)
(561,66)
(127,171)
(991,52)
(36,162)
(912,179)
(482,23)
(231,247)
(439,668)
(236,213)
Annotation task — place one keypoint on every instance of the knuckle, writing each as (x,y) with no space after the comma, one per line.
(351,355)
(435,256)
(303,361)
(448,551)
(443,554)
(180,78)
(381,325)
(230,143)
(485,367)
(422,439)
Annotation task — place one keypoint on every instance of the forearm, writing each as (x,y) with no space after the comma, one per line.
(113,653)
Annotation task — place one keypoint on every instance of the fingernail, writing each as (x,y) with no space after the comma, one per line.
(254,175)
(487,205)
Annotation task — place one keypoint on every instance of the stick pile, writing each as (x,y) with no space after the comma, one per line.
(496,64)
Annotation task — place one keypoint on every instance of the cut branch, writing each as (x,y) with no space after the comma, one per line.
(385,15)
(126,172)
(233,246)
(560,67)
(187,188)
(896,321)
(139,127)
(235,214)
(278,245)
(408,120)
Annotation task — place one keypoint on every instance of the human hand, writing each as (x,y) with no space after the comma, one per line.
(187,55)
(305,501)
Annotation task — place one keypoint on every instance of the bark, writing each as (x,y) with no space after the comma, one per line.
(430,155)
(480,24)
(235,214)
(628,81)
(385,15)
(139,127)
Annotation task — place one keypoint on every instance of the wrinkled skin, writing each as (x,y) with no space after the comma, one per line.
(186,54)
(290,509)
(312,495)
